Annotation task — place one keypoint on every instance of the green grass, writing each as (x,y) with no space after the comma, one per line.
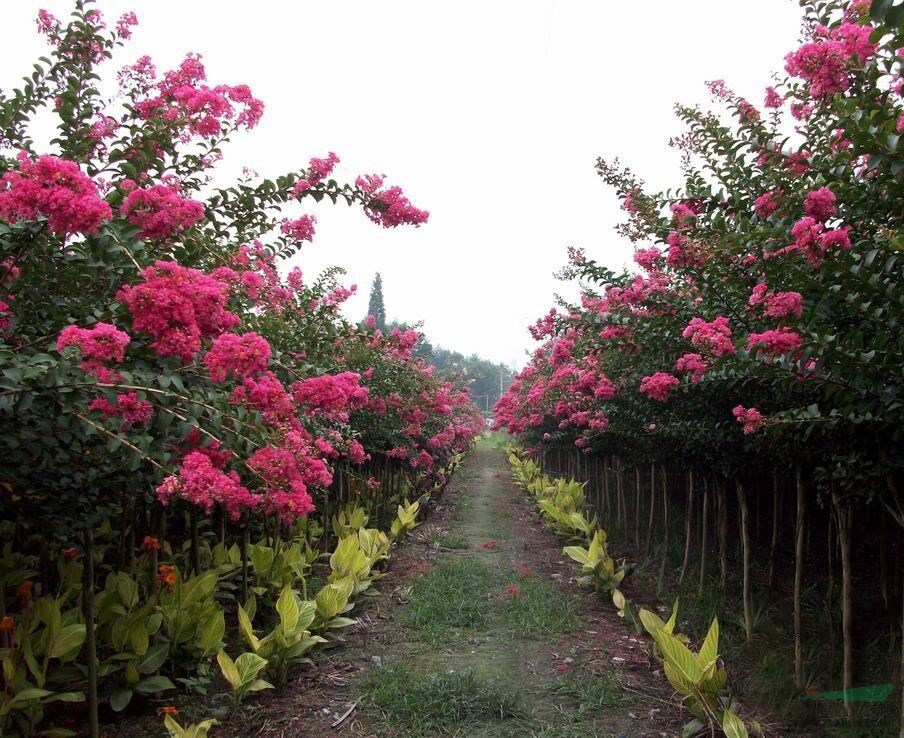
(466,593)
(456,594)
(538,610)
(591,692)
(435,703)
(454,542)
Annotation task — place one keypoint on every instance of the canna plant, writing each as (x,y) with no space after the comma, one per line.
(289,642)
(597,566)
(242,675)
(331,602)
(697,678)
(192,620)
(195,730)
(349,519)
(39,654)
(406,519)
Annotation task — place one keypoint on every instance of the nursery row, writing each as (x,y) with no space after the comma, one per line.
(754,360)
(697,678)
(186,425)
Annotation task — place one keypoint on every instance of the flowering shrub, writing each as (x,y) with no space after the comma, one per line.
(157,356)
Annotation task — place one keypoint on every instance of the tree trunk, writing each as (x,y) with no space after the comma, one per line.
(665,530)
(688,520)
(90,635)
(246,541)
(799,534)
(745,557)
(606,506)
(703,528)
(776,514)
(195,553)
(637,496)
(844,515)
(723,539)
(620,502)
(646,545)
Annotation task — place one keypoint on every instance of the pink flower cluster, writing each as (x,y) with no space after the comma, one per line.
(774,342)
(202,482)
(749,417)
(177,306)
(684,252)
(99,345)
(812,239)
(776,304)
(300,229)
(388,206)
(827,61)
(820,204)
(182,99)
(269,397)
(55,189)
(332,396)
(659,386)
(239,356)
(714,336)
(320,169)
(128,407)
(767,203)
(648,259)
(692,365)
(160,211)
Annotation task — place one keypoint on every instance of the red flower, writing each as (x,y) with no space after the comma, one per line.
(150,544)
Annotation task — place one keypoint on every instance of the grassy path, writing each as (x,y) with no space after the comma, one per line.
(487,637)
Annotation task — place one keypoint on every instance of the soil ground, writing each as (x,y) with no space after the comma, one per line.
(477,629)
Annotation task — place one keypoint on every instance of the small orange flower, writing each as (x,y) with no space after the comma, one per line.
(167,576)
(70,554)
(24,592)
(7,624)
(150,544)
(167,710)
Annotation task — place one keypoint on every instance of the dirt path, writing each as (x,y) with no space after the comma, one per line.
(480,631)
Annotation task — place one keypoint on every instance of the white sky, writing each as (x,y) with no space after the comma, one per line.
(489,114)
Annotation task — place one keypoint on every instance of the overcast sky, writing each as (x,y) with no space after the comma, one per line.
(489,114)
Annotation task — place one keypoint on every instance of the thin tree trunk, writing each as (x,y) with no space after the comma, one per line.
(723,539)
(688,520)
(776,515)
(646,545)
(799,535)
(606,506)
(620,502)
(703,542)
(844,515)
(195,553)
(665,530)
(246,542)
(90,635)
(745,557)
(883,559)
(637,496)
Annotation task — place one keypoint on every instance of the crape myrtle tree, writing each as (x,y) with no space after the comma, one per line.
(156,361)
(762,332)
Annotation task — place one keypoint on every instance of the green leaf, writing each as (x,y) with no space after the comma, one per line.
(287,607)
(67,640)
(709,651)
(733,726)
(154,684)
(154,658)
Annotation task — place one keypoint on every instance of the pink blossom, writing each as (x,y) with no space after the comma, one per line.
(267,395)
(776,304)
(177,306)
(692,365)
(659,385)
(201,483)
(132,410)
(320,169)
(773,99)
(332,396)
(241,356)
(647,258)
(747,112)
(388,206)
(300,229)
(774,342)
(55,189)
(767,203)
(124,25)
(749,417)
(714,336)
(827,61)
(820,204)
(160,211)
(683,252)
(99,345)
